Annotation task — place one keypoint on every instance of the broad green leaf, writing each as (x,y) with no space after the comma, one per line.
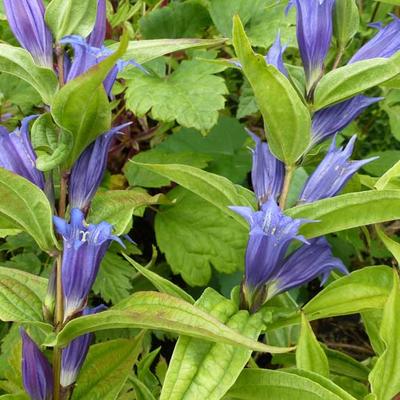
(199,370)
(213,188)
(387,159)
(116,207)
(390,244)
(192,95)
(346,21)
(159,311)
(372,321)
(143,51)
(393,172)
(161,284)
(347,81)
(384,376)
(390,104)
(21,295)
(141,390)
(17,61)
(255,384)
(203,237)
(106,369)
(286,119)
(81,106)
(25,207)
(71,17)
(177,20)
(348,211)
(309,354)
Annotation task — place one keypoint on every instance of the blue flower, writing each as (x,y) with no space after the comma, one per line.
(88,171)
(37,374)
(268,271)
(333,119)
(275,56)
(314,35)
(384,44)
(84,249)
(75,353)
(267,173)
(96,38)
(17,155)
(332,173)
(26,19)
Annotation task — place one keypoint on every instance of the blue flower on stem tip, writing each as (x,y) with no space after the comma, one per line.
(17,155)
(275,55)
(384,44)
(267,173)
(88,171)
(314,35)
(26,20)
(75,353)
(333,119)
(84,249)
(268,271)
(37,374)
(332,173)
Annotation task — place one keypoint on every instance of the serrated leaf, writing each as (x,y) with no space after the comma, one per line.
(200,370)
(192,95)
(286,118)
(159,311)
(71,17)
(203,237)
(17,61)
(106,369)
(25,207)
(21,295)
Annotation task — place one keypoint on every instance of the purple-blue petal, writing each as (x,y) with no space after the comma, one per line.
(275,56)
(96,38)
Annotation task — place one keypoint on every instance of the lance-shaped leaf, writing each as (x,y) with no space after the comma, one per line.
(152,310)
(287,120)
(347,81)
(67,17)
(384,377)
(390,244)
(348,211)
(25,207)
(17,61)
(21,295)
(82,107)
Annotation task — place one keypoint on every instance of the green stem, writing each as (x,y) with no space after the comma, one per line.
(60,64)
(286,185)
(338,58)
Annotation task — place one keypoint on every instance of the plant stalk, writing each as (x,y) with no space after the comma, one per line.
(286,186)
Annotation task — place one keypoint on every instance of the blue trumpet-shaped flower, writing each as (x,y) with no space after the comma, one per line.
(17,155)
(267,269)
(26,19)
(267,173)
(333,119)
(332,173)
(88,171)
(96,38)
(275,55)
(314,34)
(75,353)
(384,44)
(84,248)
(37,374)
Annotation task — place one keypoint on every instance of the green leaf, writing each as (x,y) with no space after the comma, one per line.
(348,211)
(203,236)
(159,311)
(372,321)
(17,61)
(391,173)
(177,20)
(346,21)
(71,17)
(21,295)
(387,159)
(192,95)
(81,106)
(213,188)
(253,384)
(384,376)
(201,370)
(160,283)
(287,120)
(141,390)
(247,102)
(390,244)
(25,207)
(117,206)
(106,369)
(143,51)
(347,81)
(309,354)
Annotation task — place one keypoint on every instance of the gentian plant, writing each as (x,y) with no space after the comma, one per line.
(247,152)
